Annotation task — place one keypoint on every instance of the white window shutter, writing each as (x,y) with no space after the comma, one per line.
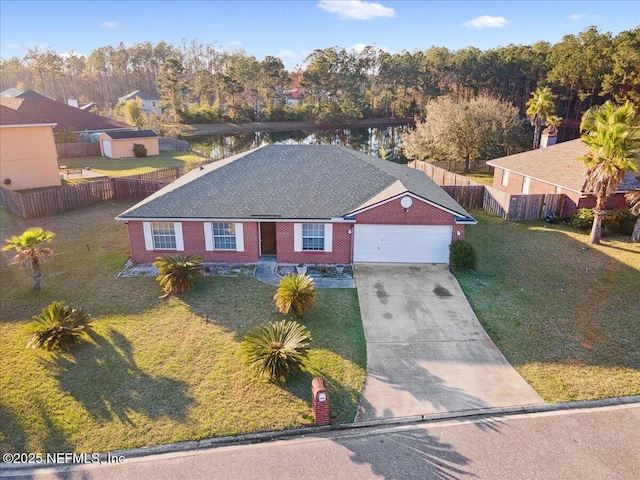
(177,226)
(148,235)
(297,237)
(208,237)
(239,237)
(328,237)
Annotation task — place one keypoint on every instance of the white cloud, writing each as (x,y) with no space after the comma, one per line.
(576,16)
(11,46)
(233,45)
(110,25)
(355,9)
(358,47)
(72,53)
(486,21)
(287,54)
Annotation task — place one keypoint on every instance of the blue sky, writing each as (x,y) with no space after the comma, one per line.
(293,29)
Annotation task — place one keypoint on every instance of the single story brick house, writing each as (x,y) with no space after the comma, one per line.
(119,144)
(555,169)
(313,204)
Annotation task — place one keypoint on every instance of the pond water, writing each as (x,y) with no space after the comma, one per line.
(383,142)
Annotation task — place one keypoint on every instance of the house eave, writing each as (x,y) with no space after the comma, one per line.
(236,219)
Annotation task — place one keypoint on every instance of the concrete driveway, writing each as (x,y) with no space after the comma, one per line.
(426,351)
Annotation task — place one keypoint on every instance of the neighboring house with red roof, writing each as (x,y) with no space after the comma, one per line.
(119,144)
(555,169)
(314,204)
(28,156)
(64,116)
(150,103)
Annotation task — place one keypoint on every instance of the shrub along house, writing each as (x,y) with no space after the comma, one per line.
(315,204)
(555,169)
(119,144)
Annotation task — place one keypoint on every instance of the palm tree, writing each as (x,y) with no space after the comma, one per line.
(28,253)
(540,108)
(276,350)
(612,133)
(633,197)
(295,292)
(58,327)
(178,273)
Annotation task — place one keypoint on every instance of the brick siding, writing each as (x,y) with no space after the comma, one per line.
(390,213)
(193,234)
(341,253)
(420,213)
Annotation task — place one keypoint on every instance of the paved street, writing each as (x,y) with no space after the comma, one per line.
(599,443)
(426,350)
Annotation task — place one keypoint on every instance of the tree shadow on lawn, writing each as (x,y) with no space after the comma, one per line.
(105,379)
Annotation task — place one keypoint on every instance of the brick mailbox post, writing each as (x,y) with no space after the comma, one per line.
(320,402)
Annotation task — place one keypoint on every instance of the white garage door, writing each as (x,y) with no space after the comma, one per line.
(402,243)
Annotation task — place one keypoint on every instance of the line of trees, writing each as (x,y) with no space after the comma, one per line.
(200,81)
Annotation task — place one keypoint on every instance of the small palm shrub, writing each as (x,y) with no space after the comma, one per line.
(276,350)
(295,292)
(58,327)
(139,150)
(178,273)
(462,255)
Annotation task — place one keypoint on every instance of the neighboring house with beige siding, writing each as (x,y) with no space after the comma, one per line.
(119,144)
(28,156)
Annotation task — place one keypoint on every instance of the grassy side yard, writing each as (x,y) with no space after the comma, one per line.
(154,371)
(480,177)
(121,167)
(564,313)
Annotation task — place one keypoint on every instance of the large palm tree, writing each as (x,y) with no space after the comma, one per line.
(540,108)
(28,252)
(612,133)
(633,197)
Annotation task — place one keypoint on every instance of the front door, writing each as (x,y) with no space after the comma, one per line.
(267,238)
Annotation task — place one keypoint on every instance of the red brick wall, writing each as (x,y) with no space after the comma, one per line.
(420,213)
(193,234)
(615,201)
(341,253)
(536,187)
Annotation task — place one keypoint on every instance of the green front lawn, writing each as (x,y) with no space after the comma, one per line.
(565,313)
(120,167)
(155,371)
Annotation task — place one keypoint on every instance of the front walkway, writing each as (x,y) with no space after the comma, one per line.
(266,273)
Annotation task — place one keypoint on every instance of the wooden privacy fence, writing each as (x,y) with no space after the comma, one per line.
(134,188)
(60,199)
(78,149)
(440,175)
(472,195)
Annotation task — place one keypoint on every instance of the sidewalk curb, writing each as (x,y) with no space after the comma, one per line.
(255,438)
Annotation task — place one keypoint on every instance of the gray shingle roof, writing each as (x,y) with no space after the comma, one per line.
(137,94)
(118,135)
(286,181)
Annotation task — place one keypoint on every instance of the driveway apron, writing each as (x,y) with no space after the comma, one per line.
(426,350)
